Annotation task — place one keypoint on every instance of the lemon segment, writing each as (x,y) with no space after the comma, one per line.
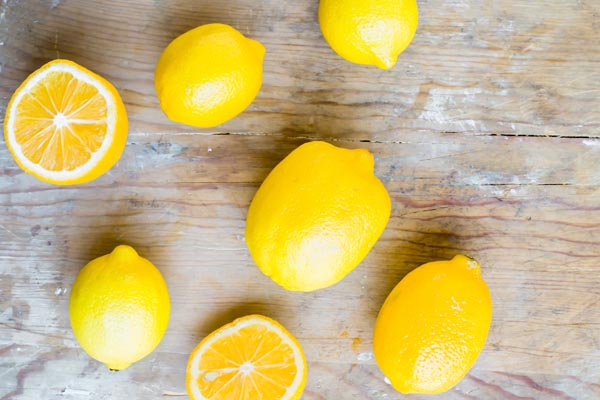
(253,357)
(65,124)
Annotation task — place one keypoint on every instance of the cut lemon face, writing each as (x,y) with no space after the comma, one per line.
(253,357)
(65,124)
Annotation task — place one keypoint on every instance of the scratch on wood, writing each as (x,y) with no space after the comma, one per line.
(36,365)
(56,45)
(7,348)
(504,393)
(536,386)
(9,231)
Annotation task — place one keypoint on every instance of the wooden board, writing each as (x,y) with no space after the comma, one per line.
(486,133)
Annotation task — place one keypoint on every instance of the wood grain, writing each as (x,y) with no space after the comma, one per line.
(486,134)
(182,204)
(480,67)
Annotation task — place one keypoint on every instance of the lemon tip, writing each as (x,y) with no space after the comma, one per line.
(467,262)
(257,47)
(117,367)
(124,251)
(385,61)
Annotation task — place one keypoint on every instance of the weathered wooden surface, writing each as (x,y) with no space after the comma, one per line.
(486,133)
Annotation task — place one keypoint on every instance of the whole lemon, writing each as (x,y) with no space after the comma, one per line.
(316,216)
(208,75)
(433,326)
(119,308)
(370,32)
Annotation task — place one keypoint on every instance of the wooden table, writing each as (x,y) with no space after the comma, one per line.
(486,133)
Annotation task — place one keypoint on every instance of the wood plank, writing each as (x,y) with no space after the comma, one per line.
(182,200)
(483,67)
(486,133)
(160,379)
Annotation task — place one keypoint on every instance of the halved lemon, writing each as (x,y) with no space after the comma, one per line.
(65,124)
(254,357)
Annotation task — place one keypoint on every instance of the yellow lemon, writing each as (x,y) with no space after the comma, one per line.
(316,216)
(370,32)
(209,75)
(433,326)
(119,308)
(253,357)
(65,124)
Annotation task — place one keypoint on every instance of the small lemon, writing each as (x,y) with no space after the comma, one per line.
(208,75)
(370,32)
(119,308)
(433,326)
(316,216)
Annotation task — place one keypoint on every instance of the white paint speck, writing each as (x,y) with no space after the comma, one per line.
(509,27)
(591,143)
(210,149)
(75,392)
(364,356)
(387,380)
(378,394)
(60,291)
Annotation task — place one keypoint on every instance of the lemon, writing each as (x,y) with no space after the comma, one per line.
(316,216)
(253,357)
(119,308)
(208,75)
(65,124)
(433,326)
(370,32)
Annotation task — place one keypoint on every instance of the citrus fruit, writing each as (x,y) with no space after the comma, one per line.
(433,326)
(208,75)
(370,32)
(253,357)
(119,308)
(65,124)
(316,216)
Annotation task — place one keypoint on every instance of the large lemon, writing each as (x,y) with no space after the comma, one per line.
(433,326)
(119,308)
(316,216)
(208,75)
(370,32)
